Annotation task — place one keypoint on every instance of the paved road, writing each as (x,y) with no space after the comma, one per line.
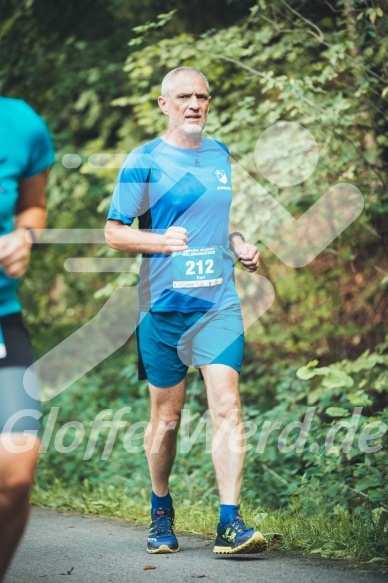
(60,548)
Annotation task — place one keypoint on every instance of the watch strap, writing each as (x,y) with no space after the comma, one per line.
(236,234)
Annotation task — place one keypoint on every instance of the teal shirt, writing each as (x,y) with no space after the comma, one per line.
(26,149)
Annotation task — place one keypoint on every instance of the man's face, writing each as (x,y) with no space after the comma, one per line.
(187,105)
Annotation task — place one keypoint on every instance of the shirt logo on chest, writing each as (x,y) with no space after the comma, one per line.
(221,175)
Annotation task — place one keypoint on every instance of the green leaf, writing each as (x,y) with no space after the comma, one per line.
(304,373)
(337,412)
(368,482)
(359,399)
(381,383)
(337,378)
(312,364)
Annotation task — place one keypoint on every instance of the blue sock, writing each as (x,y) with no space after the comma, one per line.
(161,501)
(225,511)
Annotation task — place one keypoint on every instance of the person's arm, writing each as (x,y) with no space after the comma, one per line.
(125,238)
(15,248)
(247,253)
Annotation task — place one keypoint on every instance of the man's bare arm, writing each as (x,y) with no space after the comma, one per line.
(31,213)
(32,202)
(247,253)
(124,238)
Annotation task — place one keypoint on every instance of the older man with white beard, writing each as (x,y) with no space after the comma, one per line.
(179,187)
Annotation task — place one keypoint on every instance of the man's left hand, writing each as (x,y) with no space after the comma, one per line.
(248,255)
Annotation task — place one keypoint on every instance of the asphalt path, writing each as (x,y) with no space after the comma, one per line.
(68,548)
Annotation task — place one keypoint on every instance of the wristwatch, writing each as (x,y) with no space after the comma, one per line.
(236,234)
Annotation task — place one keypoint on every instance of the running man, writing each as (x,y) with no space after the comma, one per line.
(179,187)
(26,152)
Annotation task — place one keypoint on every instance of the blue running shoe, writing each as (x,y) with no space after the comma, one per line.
(161,538)
(235,537)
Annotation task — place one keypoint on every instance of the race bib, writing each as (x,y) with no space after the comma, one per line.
(197,267)
(3,351)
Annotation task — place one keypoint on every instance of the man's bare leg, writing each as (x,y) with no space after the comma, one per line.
(161,434)
(228,447)
(16,475)
(160,445)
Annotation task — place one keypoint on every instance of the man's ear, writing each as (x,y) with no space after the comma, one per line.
(163,104)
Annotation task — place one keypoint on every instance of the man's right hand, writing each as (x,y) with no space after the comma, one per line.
(175,239)
(14,253)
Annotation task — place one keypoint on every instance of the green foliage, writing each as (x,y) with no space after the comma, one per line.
(95,75)
(341,453)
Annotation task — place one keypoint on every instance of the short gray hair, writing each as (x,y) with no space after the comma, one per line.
(167,82)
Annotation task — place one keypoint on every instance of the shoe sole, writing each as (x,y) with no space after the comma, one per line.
(162,549)
(256,544)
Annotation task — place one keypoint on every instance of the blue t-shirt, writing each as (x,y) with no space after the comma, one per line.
(26,149)
(164,185)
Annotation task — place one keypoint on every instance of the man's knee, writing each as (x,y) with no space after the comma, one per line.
(228,407)
(15,483)
(161,432)
(17,469)
(166,416)
(166,423)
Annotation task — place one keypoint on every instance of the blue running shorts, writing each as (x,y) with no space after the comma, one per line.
(169,342)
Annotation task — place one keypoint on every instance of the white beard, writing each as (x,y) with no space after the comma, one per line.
(191,128)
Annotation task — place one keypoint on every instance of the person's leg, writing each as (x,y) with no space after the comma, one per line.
(158,334)
(228,451)
(19,429)
(161,435)
(16,475)
(228,446)
(160,446)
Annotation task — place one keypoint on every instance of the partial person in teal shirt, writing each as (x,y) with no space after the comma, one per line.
(26,153)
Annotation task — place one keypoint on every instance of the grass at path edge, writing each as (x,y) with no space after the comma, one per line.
(330,534)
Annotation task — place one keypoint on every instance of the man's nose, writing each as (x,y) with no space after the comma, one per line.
(193,103)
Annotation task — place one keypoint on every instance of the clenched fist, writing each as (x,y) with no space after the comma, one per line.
(15,253)
(175,239)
